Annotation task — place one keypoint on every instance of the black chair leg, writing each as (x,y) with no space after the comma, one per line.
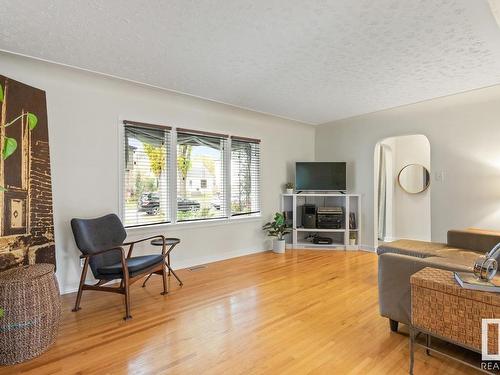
(145,281)
(170,270)
(164,277)
(127,302)
(126,287)
(80,287)
(394,325)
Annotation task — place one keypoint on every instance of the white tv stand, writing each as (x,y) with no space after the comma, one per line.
(351,203)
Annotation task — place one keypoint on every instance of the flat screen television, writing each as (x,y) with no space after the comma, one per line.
(320,176)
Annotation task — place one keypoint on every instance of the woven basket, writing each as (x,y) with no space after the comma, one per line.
(29,296)
(440,306)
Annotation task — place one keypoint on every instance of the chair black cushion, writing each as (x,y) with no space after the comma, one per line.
(135,265)
(93,235)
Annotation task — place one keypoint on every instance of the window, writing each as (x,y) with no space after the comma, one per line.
(145,180)
(245,176)
(200,160)
(187,175)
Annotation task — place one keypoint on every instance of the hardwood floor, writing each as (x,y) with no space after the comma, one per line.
(306,312)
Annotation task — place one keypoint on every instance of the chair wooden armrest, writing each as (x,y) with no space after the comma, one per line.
(144,239)
(132,243)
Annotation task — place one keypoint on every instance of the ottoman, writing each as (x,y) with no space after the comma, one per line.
(31,309)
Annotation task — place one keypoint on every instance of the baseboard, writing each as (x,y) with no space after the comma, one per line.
(191,263)
(214,258)
(390,239)
(367,248)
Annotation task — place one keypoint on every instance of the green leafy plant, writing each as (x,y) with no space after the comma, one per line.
(277,227)
(208,164)
(10,144)
(156,157)
(184,164)
(289,185)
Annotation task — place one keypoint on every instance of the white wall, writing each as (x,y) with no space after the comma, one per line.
(84,110)
(464,135)
(409,215)
(412,211)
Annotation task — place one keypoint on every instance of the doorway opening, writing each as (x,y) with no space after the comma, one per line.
(402,201)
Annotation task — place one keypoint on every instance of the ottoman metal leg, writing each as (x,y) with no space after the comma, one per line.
(412,349)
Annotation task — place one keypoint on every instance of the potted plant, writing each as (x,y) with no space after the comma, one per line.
(289,187)
(352,238)
(277,228)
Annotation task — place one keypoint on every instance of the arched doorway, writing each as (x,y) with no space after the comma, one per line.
(401,184)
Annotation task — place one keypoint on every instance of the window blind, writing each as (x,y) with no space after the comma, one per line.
(145,180)
(245,176)
(201,176)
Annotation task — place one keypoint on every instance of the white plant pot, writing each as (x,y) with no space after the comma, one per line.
(352,241)
(279,246)
(289,191)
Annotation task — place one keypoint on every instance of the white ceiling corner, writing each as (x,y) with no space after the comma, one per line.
(314,61)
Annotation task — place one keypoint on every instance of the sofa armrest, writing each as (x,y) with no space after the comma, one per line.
(394,294)
(477,240)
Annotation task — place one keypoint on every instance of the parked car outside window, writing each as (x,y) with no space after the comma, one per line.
(150,204)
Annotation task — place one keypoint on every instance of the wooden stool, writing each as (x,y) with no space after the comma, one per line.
(171,242)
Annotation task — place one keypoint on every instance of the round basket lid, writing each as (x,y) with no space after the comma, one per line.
(23,273)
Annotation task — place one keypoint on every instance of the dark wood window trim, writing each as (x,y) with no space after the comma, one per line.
(146,125)
(245,139)
(201,132)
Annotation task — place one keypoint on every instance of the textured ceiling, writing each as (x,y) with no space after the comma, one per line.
(314,61)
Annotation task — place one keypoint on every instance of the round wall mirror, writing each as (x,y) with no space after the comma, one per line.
(414,178)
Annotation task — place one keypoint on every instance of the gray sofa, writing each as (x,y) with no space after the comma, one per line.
(400,259)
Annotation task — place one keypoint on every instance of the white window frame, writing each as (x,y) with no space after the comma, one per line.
(227,160)
(257,214)
(121,175)
(172,164)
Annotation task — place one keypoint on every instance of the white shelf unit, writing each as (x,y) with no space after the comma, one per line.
(292,204)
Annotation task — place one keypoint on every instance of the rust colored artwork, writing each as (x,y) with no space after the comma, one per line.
(26,219)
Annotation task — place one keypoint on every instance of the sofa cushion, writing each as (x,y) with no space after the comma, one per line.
(473,239)
(460,255)
(444,256)
(449,264)
(414,248)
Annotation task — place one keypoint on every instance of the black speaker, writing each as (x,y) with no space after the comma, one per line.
(309,216)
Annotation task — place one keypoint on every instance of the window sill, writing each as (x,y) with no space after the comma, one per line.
(194,224)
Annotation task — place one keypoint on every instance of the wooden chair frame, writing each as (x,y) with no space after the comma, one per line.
(126,281)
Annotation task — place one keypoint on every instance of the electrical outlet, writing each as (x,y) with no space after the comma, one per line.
(439,176)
